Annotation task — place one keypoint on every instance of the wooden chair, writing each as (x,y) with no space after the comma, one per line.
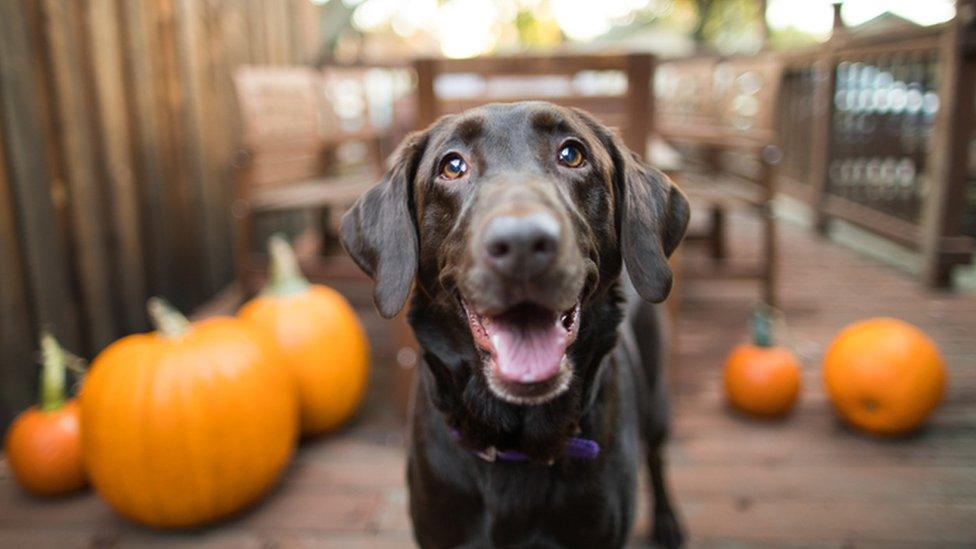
(313,143)
(297,123)
(724,112)
(615,88)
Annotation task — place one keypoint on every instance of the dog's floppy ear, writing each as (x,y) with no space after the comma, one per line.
(652,215)
(379,231)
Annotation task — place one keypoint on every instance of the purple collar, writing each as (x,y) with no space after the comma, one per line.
(574,447)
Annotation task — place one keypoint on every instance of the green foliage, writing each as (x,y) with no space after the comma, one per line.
(729,26)
(534,31)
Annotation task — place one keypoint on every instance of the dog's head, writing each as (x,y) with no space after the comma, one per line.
(512,217)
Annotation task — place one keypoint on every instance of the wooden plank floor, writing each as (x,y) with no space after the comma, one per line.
(803,482)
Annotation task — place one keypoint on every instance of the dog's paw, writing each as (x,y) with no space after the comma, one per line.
(667,531)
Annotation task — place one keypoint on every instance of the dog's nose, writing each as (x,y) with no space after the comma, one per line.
(521,247)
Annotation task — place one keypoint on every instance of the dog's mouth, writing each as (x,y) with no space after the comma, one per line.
(525,347)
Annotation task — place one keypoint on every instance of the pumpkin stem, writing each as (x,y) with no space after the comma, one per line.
(762,326)
(286,275)
(53,363)
(165,318)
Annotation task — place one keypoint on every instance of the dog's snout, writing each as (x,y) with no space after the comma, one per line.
(521,247)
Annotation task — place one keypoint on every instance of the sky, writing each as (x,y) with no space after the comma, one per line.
(816,16)
(465,28)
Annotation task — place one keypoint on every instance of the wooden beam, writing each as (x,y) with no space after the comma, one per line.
(427,110)
(639,107)
(822,138)
(17,371)
(536,65)
(946,199)
(144,103)
(197,140)
(897,230)
(105,63)
(86,200)
(770,158)
(22,109)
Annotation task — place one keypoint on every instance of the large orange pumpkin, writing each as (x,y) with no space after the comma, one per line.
(884,375)
(187,424)
(43,444)
(320,337)
(760,378)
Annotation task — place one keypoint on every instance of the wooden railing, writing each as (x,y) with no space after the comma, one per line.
(875,131)
(614,87)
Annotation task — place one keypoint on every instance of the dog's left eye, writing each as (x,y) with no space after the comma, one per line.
(571,155)
(453,166)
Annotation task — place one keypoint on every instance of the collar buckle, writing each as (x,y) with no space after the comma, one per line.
(489,454)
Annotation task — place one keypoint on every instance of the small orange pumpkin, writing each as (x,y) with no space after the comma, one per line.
(320,336)
(43,444)
(760,378)
(187,424)
(884,376)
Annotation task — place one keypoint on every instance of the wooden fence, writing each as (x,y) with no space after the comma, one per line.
(874,130)
(118,128)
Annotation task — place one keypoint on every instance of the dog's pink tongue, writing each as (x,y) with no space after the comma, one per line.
(527,353)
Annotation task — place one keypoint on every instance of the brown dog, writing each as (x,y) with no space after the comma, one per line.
(512,224)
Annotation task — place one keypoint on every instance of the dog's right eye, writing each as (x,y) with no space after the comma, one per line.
(571,155)
(453,166)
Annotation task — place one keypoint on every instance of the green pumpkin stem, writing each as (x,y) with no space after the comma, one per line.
(166,319)
(762,326)
(286,276)
(53,364)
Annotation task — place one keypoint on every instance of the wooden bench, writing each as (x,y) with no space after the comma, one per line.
(724,112)
(296,122)
(298,126)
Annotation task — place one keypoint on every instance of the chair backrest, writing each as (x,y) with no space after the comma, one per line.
(346,105)
(719,101)
(300,123)
(614,88)
(281,121)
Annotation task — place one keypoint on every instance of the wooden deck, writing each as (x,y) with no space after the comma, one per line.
(803,482)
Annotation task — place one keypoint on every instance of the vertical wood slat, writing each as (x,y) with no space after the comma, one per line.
(220,142)
(105,64)
(181,190)
(229,40)
(145,111)
(258,32)
(23,111)
(76,132)
(192,62)
(271,19)
(16,336)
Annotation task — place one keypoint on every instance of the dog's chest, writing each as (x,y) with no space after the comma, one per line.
(571,503)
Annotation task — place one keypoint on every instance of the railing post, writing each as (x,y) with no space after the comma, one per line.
(426,98)
(822,137)
(769,157)
(640,106)
(823,125)
(942,245)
